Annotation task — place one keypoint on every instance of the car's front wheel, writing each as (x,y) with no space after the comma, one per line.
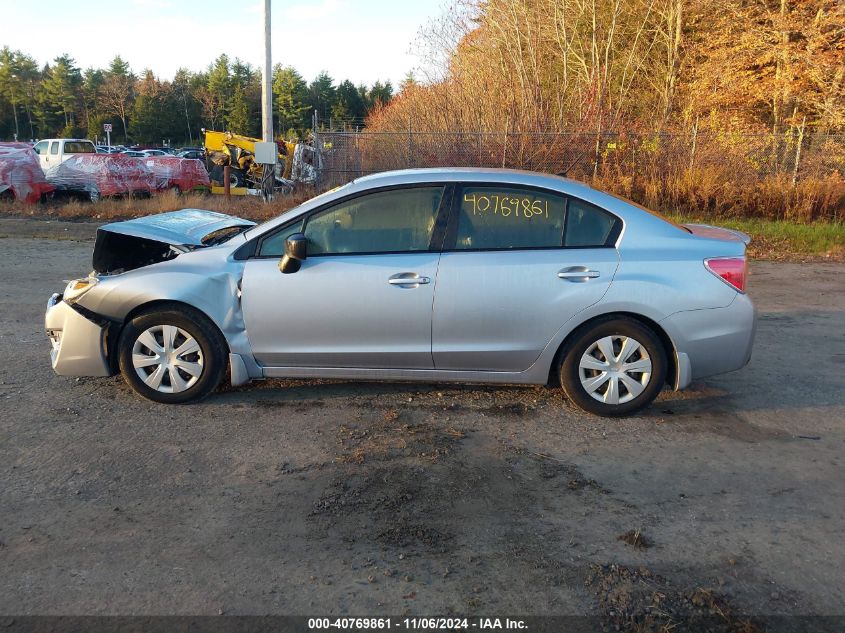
(613,367)
(172,355)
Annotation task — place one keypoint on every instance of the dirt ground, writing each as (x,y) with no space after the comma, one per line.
(320,497)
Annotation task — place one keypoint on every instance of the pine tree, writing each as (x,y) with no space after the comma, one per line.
(321,95)
(237,118)
(61,92)
(290,98)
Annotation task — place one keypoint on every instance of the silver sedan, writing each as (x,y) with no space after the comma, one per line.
(466,275)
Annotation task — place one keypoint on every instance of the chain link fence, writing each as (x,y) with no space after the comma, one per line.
(744,159)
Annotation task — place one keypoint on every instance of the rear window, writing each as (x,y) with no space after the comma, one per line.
(77,147)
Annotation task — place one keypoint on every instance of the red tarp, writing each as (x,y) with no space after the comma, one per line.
(102,175)
(172,171)
(20,173)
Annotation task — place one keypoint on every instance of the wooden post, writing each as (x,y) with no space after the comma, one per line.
(798,151)
(694,143)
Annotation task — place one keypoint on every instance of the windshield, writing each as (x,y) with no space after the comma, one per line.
(223,235)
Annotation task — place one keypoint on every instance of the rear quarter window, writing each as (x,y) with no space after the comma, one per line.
(73,147)
(588,225)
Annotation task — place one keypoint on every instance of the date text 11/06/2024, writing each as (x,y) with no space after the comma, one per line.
(415,624)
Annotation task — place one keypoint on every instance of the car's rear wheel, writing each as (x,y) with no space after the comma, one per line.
(172,355)
(613,367)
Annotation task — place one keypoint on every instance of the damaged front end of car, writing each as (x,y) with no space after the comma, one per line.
(125,246)
(83,323)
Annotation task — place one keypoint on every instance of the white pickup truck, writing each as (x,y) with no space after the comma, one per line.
(54,151)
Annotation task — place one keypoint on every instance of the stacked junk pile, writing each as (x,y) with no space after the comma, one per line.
(21,177)
(104,175)
(95,175)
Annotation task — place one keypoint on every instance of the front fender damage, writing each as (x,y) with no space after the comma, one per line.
(215,294)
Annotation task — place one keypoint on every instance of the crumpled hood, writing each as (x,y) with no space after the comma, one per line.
(187,227)
(124,246)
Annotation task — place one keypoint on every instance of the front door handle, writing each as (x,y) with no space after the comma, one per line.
(578,273)
(408,279)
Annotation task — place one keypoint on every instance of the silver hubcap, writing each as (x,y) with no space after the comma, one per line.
(167,358)
(615,369)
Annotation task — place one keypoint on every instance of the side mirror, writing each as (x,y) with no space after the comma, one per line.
(295,253)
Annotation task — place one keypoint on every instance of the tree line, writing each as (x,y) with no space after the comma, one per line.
(60,99)
(711,106)
(577,65)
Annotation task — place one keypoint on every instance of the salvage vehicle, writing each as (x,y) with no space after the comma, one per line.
(297,163)
(54,151)
(21,177)
(103,175)
(465,275)
(180,175)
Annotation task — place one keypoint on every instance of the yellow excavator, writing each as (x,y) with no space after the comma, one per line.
(296,162)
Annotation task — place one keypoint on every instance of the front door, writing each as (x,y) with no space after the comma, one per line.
(518,263)
(42,148)
(362,298)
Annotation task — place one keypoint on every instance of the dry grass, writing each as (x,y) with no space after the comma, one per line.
(249,207)
(716,192)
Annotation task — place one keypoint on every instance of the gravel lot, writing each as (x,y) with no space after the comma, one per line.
(319,497)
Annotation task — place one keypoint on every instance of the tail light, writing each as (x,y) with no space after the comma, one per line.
(732,270)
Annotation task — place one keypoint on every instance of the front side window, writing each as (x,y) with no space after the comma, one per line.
(509,217)
(399,220)
(274,245)
(40,147)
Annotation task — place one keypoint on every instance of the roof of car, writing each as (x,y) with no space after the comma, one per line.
(476,174)
(648,223)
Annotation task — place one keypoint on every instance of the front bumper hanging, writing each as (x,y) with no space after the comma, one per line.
(78,344)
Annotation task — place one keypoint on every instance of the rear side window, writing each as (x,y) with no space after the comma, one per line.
(399,220)
(509,217)
(79,148)
(587,225)
(54,147)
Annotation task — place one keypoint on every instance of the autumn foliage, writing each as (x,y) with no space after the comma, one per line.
(718,106)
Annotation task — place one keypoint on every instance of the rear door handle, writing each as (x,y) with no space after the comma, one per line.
(578,272)
(408,279)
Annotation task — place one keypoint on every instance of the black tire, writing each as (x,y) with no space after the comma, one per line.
(589,334)
(215,175)
(236,176)
(212,346)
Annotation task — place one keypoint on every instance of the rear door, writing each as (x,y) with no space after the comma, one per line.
(518,262)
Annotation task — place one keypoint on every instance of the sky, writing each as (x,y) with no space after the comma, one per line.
(360,40)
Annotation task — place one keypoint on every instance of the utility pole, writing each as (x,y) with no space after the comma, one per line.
(267,85)
(266,155)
